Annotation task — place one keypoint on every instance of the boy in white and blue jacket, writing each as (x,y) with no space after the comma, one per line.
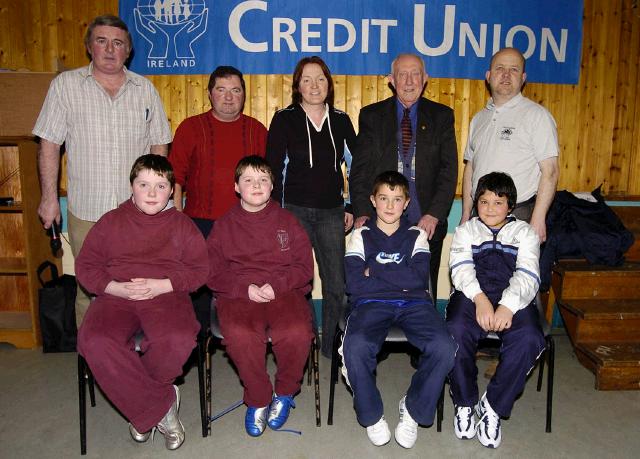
(387,277)
(495,273)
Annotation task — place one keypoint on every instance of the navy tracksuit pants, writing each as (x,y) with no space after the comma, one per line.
(521,346)
(367,328)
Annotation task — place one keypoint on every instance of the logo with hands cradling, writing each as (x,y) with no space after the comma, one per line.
(171,27)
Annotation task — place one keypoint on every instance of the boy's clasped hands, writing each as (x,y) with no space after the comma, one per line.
(139,288)
(491,320)
(262,294)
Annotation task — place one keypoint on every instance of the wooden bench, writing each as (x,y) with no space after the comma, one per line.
(581,270)
(600,307)
(614,364)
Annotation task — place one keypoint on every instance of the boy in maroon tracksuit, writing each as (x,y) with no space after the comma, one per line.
(141,260)
(261,267)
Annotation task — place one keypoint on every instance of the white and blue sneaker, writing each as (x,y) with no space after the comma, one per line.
(279,410)
(464,423)
(488,428)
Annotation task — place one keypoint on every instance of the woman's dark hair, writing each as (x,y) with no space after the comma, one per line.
(296,97)
(499,183)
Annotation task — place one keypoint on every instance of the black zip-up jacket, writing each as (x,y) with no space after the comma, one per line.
(313,175)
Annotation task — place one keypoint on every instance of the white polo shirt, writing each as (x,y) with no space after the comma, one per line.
(512,138)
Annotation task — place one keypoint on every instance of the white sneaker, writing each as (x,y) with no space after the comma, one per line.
(379,433)
(464,423)
(488,428)
(407,429)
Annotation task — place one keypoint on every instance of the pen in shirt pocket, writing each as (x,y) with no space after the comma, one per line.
(146,114)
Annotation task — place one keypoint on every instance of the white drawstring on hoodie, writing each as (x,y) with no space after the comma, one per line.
(325,117)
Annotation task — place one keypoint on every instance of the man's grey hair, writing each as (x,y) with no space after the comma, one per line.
(393,63)
(107,20)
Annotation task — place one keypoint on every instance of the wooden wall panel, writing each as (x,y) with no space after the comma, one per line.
(274,100)
(624,155)
(633,186)
(5,37)
(598,119)
(257,98)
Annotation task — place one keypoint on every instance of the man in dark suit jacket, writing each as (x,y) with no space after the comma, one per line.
(416,137)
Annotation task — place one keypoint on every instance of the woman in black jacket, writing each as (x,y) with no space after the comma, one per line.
(306,147)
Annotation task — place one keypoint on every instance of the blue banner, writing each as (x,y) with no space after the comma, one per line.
(360,37)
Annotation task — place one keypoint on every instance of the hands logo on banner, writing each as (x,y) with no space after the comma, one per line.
(171,26)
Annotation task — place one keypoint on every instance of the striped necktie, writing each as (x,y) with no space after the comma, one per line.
(407,134)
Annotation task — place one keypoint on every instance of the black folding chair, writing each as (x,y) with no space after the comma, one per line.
(86,377)
(312,366)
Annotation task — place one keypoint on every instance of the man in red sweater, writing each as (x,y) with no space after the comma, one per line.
(207,147)
(261,268)
(204,154)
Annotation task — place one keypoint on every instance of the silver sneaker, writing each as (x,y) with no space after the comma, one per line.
(171,427)
(137,436)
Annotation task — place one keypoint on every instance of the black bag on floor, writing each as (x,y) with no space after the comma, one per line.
(57,310)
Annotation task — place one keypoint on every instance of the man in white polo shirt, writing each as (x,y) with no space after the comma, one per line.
(515,135)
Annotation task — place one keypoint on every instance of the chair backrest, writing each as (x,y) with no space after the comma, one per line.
(214,324)
(395,334)
(542,316)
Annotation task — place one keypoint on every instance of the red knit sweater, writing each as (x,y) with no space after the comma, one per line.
(126,243)
(265,247)
(204,155)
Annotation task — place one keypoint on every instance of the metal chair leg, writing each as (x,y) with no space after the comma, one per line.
(310,362)
(82,404)
(91,381)
(316,378)
(552,357)
(207,384)
(334,374)
(204,420)
(440,410)
(542,359)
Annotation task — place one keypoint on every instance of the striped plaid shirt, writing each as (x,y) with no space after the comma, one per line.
(102,136)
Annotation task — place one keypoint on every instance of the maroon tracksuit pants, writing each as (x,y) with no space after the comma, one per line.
(139,385)
(247,326)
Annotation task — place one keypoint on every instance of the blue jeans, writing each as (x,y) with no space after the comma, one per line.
(325,228)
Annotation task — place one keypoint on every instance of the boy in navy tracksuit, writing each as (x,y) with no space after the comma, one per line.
(387,275)
(495,273)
